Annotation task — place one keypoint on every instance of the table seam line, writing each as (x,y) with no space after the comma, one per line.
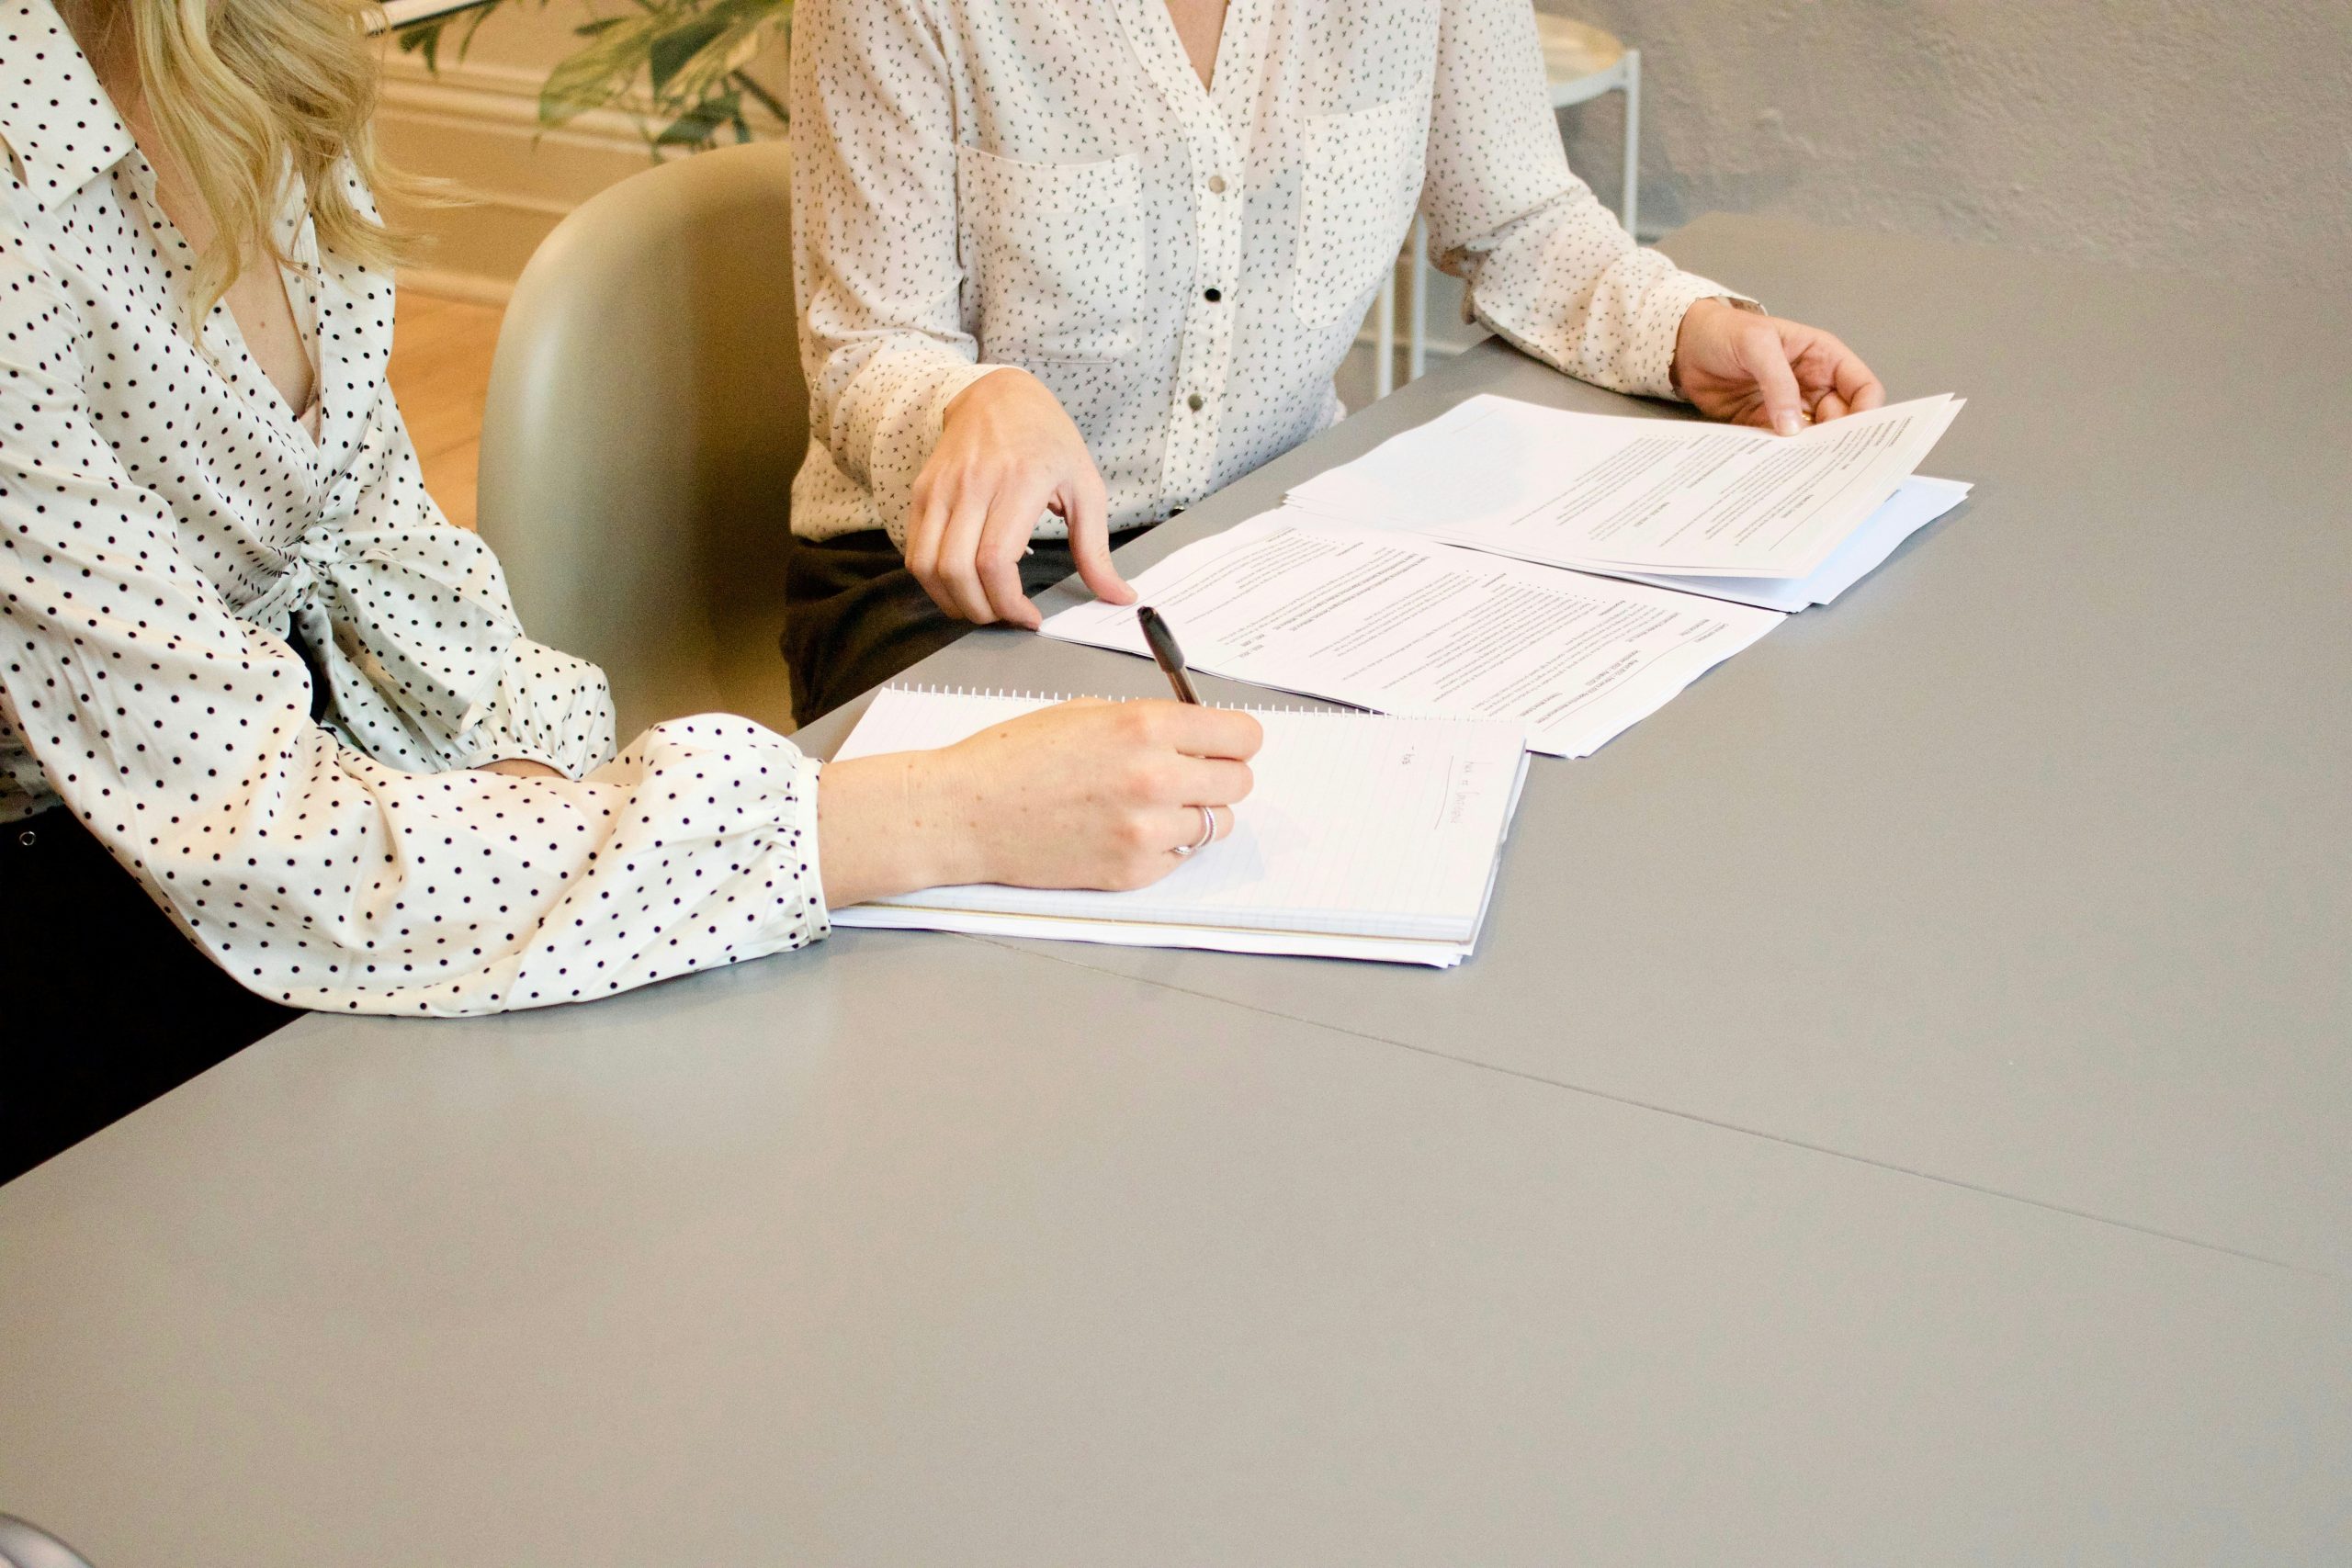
(1967,1186)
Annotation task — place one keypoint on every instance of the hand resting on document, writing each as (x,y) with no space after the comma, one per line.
(1744,368)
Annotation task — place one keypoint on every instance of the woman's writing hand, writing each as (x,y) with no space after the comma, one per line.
(1087,794)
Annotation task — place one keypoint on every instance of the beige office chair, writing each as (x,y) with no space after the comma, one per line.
(646,414)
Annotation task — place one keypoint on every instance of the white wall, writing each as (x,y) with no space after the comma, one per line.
(2187,135)
(2183,134)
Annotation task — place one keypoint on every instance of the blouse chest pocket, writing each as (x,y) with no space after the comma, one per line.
(1359,179)
(1056,253)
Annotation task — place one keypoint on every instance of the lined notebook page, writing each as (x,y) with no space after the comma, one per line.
(1359,825)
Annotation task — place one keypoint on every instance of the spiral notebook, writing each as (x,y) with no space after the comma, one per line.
(1364,837)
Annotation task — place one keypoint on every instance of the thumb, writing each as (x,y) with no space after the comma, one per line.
(1090,542)
(1766,359)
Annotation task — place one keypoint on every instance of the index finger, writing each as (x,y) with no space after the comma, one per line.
(1004,537)
(1204,731)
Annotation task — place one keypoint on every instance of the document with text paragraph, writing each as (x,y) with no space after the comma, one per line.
(1617,494)
(1918,502)
(1406,625)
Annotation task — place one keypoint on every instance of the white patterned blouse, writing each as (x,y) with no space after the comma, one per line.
(1047,183)
(170,533)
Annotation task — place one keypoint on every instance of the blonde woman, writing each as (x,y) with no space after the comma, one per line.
(1065,266)
(270,737)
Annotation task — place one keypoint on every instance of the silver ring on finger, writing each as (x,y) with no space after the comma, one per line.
(1208,833)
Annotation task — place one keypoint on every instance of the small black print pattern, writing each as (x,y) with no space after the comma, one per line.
(1047,183)
(166,524)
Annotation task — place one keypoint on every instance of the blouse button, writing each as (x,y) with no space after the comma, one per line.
(1196,403)
(1216,185)
(1213,295)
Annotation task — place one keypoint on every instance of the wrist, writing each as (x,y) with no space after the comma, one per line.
(883,829)
(935,810)
(1695,320)
(993,380)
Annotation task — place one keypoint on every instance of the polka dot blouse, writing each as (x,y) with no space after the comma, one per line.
(1047,183)
(170,533)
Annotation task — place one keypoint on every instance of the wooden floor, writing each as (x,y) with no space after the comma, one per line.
(440,372)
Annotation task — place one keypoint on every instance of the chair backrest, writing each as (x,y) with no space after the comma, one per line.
(645,417)
(23,1545)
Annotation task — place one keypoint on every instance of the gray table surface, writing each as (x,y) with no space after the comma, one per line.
(2029,865)
(1896,1117)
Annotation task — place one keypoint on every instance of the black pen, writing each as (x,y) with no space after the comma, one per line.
(1164,651)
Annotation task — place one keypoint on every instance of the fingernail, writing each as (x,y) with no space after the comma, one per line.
(1786,423)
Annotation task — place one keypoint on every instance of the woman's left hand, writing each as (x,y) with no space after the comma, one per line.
(1746,368)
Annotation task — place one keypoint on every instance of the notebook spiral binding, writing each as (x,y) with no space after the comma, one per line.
(927,689)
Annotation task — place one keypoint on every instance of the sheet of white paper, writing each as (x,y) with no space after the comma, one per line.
(1920,501)
(1364,836)
(1609,493)
(1404,624)
(1119,933)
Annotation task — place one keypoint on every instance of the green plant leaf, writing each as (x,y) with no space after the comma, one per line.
(690,54)
(699,126)
(676,47)
(591,77)
(423,38)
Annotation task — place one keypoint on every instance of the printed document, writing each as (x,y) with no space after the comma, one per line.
(1918,502)
(1612,493)
(1406,625)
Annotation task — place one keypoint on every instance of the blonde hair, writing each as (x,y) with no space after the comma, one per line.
(252,93)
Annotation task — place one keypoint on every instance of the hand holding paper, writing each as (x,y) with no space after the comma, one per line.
(1612,494)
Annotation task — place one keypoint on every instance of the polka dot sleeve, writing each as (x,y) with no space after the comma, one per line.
(180,734)
(1548,267)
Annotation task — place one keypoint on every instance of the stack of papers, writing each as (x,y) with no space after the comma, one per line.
(1605,493)
(1404,624)
(1919,502)
(1567,573)
(1364,837)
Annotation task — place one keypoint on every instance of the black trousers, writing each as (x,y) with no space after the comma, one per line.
(854,616)
(104,1005)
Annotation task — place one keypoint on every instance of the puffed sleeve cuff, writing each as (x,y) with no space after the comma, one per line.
(1565,285)
(713,859)
(952,386)
(548,708)
(805,918)
(774,864)
(891,415)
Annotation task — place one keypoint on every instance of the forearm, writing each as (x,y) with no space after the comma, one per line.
(1566,285)
(1549,268)
(881,830)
